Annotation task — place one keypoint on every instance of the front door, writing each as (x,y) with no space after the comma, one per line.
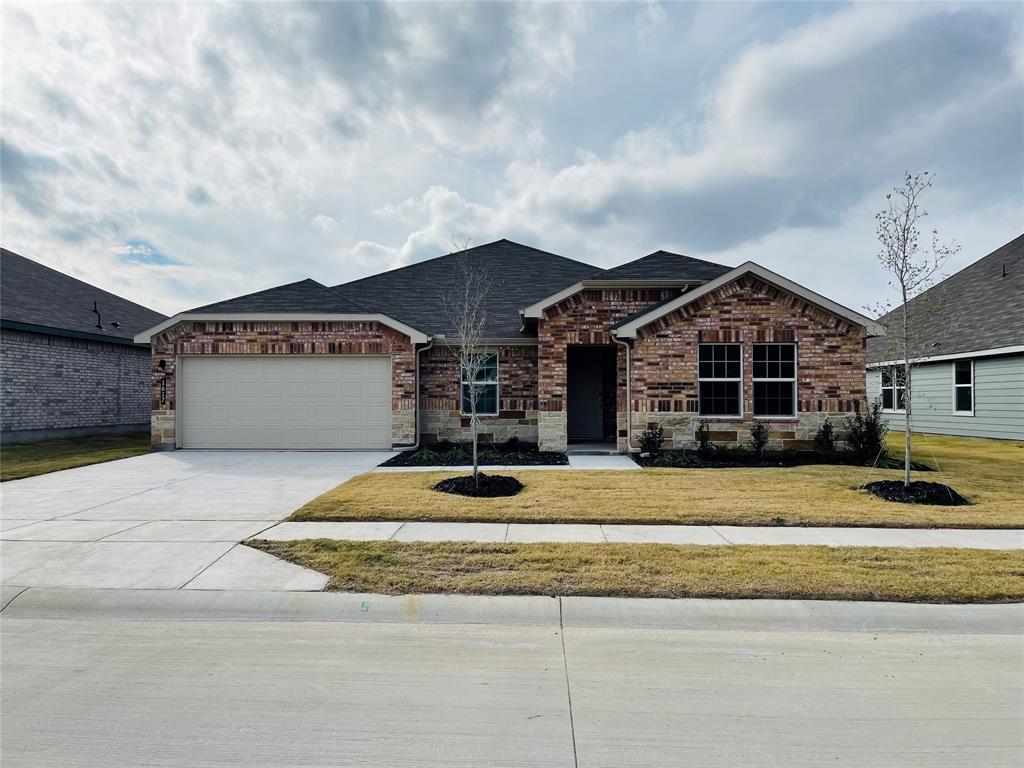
(587,370)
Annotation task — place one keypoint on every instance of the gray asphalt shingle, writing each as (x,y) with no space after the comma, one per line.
(980,307)
(33,294)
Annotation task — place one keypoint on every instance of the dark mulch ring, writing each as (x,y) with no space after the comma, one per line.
(919,492)
(449,454)
(726,458)
(489,487)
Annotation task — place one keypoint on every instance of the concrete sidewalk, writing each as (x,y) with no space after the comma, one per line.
(648,534)
(576,461)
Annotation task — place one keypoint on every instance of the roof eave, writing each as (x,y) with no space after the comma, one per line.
(629,330)
(415,335)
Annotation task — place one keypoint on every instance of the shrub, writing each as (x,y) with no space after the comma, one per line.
(651,439)
(866,431)
(825,438)
(759,437)
(704,446)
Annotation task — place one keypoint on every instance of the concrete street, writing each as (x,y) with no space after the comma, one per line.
(172,678)
(164,520)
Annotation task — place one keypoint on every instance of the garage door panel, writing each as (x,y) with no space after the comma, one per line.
(285,402)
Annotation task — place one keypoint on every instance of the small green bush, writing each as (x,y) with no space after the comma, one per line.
(825,438)
(759,437)
(866,431)
(651,439)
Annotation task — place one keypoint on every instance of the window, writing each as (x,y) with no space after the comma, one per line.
(963,387)
(774,379)
(721,380)
(486,389)
(894,390)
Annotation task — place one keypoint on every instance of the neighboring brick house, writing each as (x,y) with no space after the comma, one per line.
(666,338)
(69,365)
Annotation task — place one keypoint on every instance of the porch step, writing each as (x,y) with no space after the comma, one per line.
(592,449)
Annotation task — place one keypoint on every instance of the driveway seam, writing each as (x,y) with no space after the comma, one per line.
(123,530)
(208,567)
(18,594)
(568,688)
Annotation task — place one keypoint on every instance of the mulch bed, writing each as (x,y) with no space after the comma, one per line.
(734,458)
(490,486)
(919,492)
(451,455)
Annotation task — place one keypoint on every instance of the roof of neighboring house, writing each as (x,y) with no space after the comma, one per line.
(519,275)
(979,308)
(663,265)
(36,298)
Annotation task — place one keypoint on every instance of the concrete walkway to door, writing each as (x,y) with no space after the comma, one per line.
(167,520)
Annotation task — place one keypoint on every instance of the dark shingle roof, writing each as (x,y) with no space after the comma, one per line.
(662,265)
(975,309)
(34,295)
(302,296)
(520,275)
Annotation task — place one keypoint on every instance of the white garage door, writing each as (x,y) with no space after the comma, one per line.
(285,402)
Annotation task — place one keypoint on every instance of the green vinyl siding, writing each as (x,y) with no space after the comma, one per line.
(998,399)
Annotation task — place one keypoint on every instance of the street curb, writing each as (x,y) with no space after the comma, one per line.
(572,612)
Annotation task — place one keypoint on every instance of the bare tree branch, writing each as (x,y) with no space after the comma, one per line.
(464,304)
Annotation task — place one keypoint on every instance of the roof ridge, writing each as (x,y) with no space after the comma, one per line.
(454,253)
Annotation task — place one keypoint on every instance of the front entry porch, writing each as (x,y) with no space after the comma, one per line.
(591,396)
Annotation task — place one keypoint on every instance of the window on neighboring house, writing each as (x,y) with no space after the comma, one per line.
(963,387)
(721,380)
(894,390)
(486,388)
(774,379)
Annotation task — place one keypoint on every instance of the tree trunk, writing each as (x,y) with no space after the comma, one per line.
(472,421)
(908,399)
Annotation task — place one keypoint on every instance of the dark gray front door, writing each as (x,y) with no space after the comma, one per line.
(586,372)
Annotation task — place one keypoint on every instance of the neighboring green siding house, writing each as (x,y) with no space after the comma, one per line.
(968,348)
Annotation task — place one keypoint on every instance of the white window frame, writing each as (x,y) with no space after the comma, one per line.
(963,386)
(496,383)
(881,389)
(701,379)
(753,380)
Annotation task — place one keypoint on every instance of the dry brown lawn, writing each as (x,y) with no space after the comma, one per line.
(989,473)
(663,570)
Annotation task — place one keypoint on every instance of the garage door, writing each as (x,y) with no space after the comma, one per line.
(285,402)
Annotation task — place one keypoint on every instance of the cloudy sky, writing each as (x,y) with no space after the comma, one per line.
(178,154)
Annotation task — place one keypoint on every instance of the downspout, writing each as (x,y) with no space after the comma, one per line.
(416,410)
(629,394)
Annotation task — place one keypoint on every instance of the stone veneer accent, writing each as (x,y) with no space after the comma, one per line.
(440,414)
(54,385)
(283,338)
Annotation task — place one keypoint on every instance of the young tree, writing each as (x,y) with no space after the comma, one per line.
(465,306)
(912,269)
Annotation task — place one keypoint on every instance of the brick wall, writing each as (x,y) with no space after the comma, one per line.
(56,383)
(283,338)
(830,362)
(441,417)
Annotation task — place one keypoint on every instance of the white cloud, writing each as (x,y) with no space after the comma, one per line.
(324,223)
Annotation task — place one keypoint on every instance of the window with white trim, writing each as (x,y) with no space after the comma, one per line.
(774,379)
(963,387)
(894,389)
(486,388)
(720,380)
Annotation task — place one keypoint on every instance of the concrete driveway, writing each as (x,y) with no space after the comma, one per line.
(164,520)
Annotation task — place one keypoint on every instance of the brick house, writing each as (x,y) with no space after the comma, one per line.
(580,355)
(69,365)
